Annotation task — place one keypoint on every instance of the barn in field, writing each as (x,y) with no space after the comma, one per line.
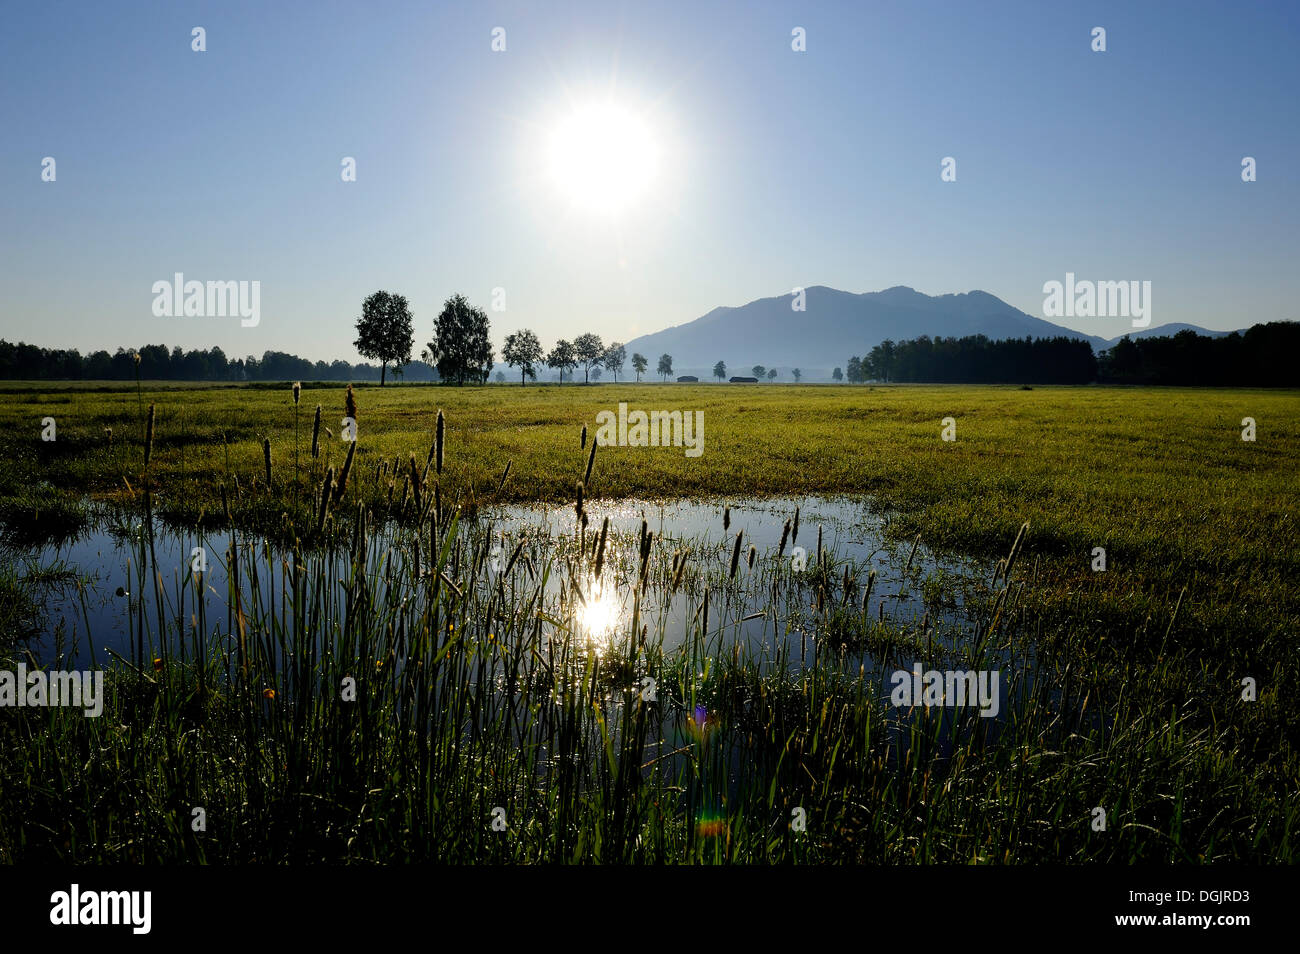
(744,380)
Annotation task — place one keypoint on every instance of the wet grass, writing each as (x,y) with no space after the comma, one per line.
(1153,475)
(475,693)
(383,705)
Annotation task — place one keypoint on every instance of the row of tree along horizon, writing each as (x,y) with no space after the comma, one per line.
(461,352)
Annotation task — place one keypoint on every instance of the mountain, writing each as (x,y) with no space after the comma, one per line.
(834,325)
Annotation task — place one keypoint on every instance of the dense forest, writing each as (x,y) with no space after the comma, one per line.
(1266,355)
(976,359)
(1263,356)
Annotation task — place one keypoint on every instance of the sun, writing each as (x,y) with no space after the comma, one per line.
(603,157)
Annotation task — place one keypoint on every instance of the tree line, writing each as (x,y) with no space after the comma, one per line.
(25,362)
(460,351)
(1263,356)
(976,359)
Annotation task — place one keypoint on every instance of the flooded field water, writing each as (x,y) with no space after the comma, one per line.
(811,575)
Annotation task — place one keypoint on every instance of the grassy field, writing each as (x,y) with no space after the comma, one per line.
(1143,467)
(1141,710)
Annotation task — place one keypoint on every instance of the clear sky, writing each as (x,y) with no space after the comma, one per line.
(774,168)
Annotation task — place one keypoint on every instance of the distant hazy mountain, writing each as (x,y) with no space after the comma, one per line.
(834,326)
(1168,331)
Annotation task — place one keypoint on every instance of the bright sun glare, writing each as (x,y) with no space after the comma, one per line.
(600,614)
(603,157)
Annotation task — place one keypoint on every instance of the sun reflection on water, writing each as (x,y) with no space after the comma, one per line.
(599,616)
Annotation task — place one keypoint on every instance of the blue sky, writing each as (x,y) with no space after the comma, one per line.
(778,168)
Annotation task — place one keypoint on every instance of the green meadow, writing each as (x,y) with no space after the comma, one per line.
(470,695)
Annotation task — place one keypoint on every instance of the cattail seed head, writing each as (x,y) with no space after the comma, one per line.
(416,483)
(647,544)
(350,403)
(297,392)
(266,455)
(343,474)
(678,570)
